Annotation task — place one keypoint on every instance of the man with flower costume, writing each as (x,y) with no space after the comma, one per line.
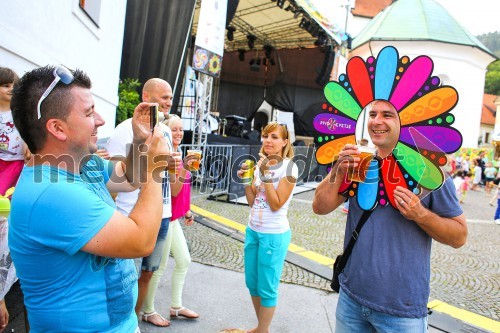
(384,286)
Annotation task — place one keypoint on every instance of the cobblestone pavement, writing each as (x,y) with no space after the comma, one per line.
(468,278)
(210,247)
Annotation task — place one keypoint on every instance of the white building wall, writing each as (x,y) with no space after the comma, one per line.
(51,32)
(356,23)
(462,67)
(486,135)
(496,131)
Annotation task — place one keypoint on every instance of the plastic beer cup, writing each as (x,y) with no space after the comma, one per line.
(358,174)
(4,207)
(195,164)
(175,170)
(248,174)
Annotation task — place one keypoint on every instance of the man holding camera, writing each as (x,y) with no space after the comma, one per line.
(68,241)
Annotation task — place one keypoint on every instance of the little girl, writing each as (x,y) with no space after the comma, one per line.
(489,173)
(461,182)
(12,147)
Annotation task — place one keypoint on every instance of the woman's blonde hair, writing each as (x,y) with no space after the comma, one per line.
(287,150)
(171,119)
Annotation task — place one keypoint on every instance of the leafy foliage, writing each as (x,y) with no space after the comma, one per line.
(128,99)
(492,84)
(492,41)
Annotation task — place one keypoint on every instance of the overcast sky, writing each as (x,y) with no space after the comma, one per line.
(477,16)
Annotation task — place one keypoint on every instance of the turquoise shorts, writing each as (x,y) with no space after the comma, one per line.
(264,259)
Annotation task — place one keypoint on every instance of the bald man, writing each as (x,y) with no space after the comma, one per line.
(154,91)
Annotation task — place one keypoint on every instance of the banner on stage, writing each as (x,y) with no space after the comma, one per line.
(209,44)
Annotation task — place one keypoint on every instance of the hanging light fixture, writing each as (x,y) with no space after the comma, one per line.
(230,32)
(267,50)
(241,54)
(251,41)
(304,23)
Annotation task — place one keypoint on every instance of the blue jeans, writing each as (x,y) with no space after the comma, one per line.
(151,263)
(497,213)
(353,317)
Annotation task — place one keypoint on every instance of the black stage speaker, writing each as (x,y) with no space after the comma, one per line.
(260,121)
(235,125)
(326,69)
(240,154)
(304,159)
(252,135)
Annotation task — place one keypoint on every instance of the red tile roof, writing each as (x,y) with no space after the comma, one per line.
(370,8)
(489,109)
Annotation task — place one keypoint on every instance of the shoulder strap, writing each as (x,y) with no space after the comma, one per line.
(354,238)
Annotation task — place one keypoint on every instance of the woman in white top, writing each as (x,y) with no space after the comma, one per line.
(268,232)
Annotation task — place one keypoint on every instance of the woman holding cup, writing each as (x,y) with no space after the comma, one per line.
(175,242)
(268,232)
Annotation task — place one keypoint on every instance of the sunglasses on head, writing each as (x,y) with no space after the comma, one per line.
(280,123)
(60,74)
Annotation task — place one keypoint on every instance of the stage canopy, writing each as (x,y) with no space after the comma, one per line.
(292,42)
(289,62)
(282,24)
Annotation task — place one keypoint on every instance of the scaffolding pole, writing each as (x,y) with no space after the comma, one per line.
(203,100)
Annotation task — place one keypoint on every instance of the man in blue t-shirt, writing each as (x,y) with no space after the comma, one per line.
(385,284)
(68,242)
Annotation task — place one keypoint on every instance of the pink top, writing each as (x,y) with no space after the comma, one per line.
(465,185)
(181,203)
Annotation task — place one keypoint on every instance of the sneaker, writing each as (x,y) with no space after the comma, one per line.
(497,221)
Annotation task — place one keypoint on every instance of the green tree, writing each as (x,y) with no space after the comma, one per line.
(128,99)
(492,84)
(492,41)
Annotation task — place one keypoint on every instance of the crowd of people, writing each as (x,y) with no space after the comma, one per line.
(89,240)
(108,253)
(476,174)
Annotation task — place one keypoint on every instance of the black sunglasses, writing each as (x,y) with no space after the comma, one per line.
(60,74)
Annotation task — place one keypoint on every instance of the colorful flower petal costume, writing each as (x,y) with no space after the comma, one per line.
(426,134)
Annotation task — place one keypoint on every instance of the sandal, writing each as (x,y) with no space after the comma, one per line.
(176,313)
(146,316)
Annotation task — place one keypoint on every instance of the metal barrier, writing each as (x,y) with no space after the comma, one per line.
(219,165)
(214,176)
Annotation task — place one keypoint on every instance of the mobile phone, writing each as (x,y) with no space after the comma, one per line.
(153,110)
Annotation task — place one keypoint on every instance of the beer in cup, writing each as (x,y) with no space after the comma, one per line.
(178,159)
(358,174)
(248,174)
(4,207)
(195,163)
